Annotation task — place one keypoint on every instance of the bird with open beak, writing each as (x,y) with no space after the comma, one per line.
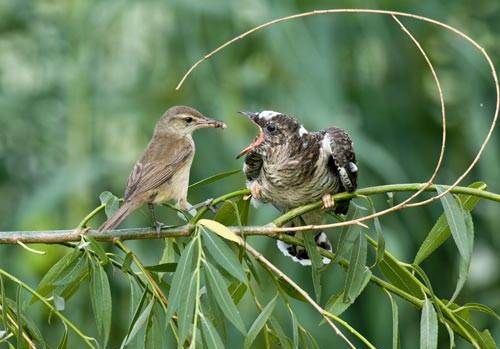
(288,166)
(162,173)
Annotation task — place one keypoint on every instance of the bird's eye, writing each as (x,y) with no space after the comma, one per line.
(188,119)
(271,128)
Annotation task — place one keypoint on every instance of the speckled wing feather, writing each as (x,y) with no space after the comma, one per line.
(253,165)
(344,159)
(148,175)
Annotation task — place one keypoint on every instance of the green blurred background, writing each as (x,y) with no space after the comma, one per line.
(83,82)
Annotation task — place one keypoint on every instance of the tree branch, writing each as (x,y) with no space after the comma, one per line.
(61,236)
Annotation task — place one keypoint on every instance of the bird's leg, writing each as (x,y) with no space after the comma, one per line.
(255,190)
(328,201)
(156,223)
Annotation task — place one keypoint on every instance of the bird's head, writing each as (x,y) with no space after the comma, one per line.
(182,121)
(275,129)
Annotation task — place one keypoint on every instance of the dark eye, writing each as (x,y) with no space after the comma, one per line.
(188,119)
(271,128)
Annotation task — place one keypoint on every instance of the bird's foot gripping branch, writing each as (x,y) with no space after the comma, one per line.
(215,276)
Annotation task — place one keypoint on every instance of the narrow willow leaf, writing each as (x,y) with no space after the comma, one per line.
(57,272)
(357,270)
(111,203)
(308,340)
(316,262)
(127,262)
(210,334)
(259,323)
(63,343)
(291,291)
(380,243)
(156,330)
(440,232)
(186,309)
(338,303)
(295,329)
(395,321)
(481,308)
(237,290)
(277,332)
(474,334)
(134,312)
(464,262)
(488,340)
(223,255)
(451,335)
(59,302)
(163,267)
(19,319)
(139,322)
(212,179)
(221,230)
(73,273)
(3,303)
(97,248)
(225,214)
(100,297)
(181,278)
(456,220)
(218,289)
(244,210)
(399,276)
(428,326)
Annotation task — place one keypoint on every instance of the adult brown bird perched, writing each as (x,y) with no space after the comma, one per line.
(162,173)
(288,166)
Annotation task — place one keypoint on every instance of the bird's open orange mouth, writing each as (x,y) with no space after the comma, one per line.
(257,141)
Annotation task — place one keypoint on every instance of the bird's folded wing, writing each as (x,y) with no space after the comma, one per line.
(253,164)
(343,157)
(151,174)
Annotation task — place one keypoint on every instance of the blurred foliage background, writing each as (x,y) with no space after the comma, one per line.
(83,82)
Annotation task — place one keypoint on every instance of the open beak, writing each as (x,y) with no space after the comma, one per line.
(208,122)
(258,140)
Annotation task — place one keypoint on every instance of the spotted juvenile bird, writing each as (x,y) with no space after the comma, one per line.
(162,173)
(288,166)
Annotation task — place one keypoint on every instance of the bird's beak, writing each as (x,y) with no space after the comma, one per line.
(260,137)
(208,122)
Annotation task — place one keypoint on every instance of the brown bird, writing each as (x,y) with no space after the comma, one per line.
(162,173)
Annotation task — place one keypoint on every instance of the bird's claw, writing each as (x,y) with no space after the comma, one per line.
(159,226)
(207,203)
(255,190)
(328,201)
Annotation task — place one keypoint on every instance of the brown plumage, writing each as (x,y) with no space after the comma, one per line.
(162,173)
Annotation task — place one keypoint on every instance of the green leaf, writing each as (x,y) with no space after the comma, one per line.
(244,210)
(338,303)
(213,179)
(163,267)
(97,248)
(111,203)
(357,271)
(186,309)
(489,342)
(395,321)
(56,272)
(210,334)
(223,255)
(316,262)
(380,242)
(100,297)
(139,320)
(291,291)
(237,291)
(181,278)
(218,288)
(259,322)
(3,302)
(226,214)
(63,343)
(220,230)
(464,262)
(399,276)
(428,326)
(156,330)
(456,221)
(440,232)
(481,308)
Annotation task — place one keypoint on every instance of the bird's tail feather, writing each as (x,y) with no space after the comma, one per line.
(118,217)
(298,253)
